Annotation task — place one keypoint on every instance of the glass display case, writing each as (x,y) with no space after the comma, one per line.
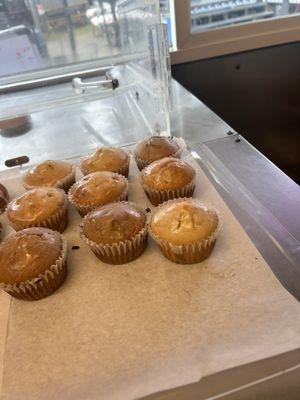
(151,325)
(65,112)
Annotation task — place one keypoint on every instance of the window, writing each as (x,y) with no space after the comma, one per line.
(211,14)
(212,28)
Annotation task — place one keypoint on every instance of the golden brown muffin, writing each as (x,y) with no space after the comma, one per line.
(106,159)
(4,198)
(45,207)
(185,230)
(116,232)
(155,148)
(59,174)
(32,263)
(168,178)
(97,189)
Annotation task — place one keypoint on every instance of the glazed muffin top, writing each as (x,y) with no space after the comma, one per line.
(48,173)
(104,159)
(167,174)
(156,147)
(183,221)
(28,253)
(98,188)
(113,223)
(36,205)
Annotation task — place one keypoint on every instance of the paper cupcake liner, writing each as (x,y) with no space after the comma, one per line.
(160,196)
(142,163)
(57,222)
(188,253)
(63,184)
(43,285)
(85,209)
(124,170)
(119,253)
(122,252)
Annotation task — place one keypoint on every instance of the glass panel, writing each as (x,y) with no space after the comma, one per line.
(167,18)
(139,101)
(211,14)
(68,132)
(38,34)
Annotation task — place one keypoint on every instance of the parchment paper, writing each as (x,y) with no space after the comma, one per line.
(122,332)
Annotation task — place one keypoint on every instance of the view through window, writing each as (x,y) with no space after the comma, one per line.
(210,14)
(44,33)
(37,34)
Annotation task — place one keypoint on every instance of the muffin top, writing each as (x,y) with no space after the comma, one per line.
(98,188)
(167,174)
(28,253)
(36,205)
(113,223)
(156,147)
(48,173)
(104,159)
(184,221)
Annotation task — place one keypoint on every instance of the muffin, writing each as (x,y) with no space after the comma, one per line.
(59,174)
(15,126)
(185,230)
(116,233)
(97,189)
(168,178)
(45,207)
(106,159)
(4,198)
(155,148)
(33,263)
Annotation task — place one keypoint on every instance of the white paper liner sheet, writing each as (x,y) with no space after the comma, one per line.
(131,330)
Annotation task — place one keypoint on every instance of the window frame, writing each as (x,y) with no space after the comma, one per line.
(230,39)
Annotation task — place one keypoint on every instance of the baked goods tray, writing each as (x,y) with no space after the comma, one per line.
(123,332)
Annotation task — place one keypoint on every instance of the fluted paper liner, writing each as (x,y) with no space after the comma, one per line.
(44,284)
(142,163)
(57,222)
(122,252)
(63,184)
(124,170)
(190,253)
(85,209)
(160,196)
